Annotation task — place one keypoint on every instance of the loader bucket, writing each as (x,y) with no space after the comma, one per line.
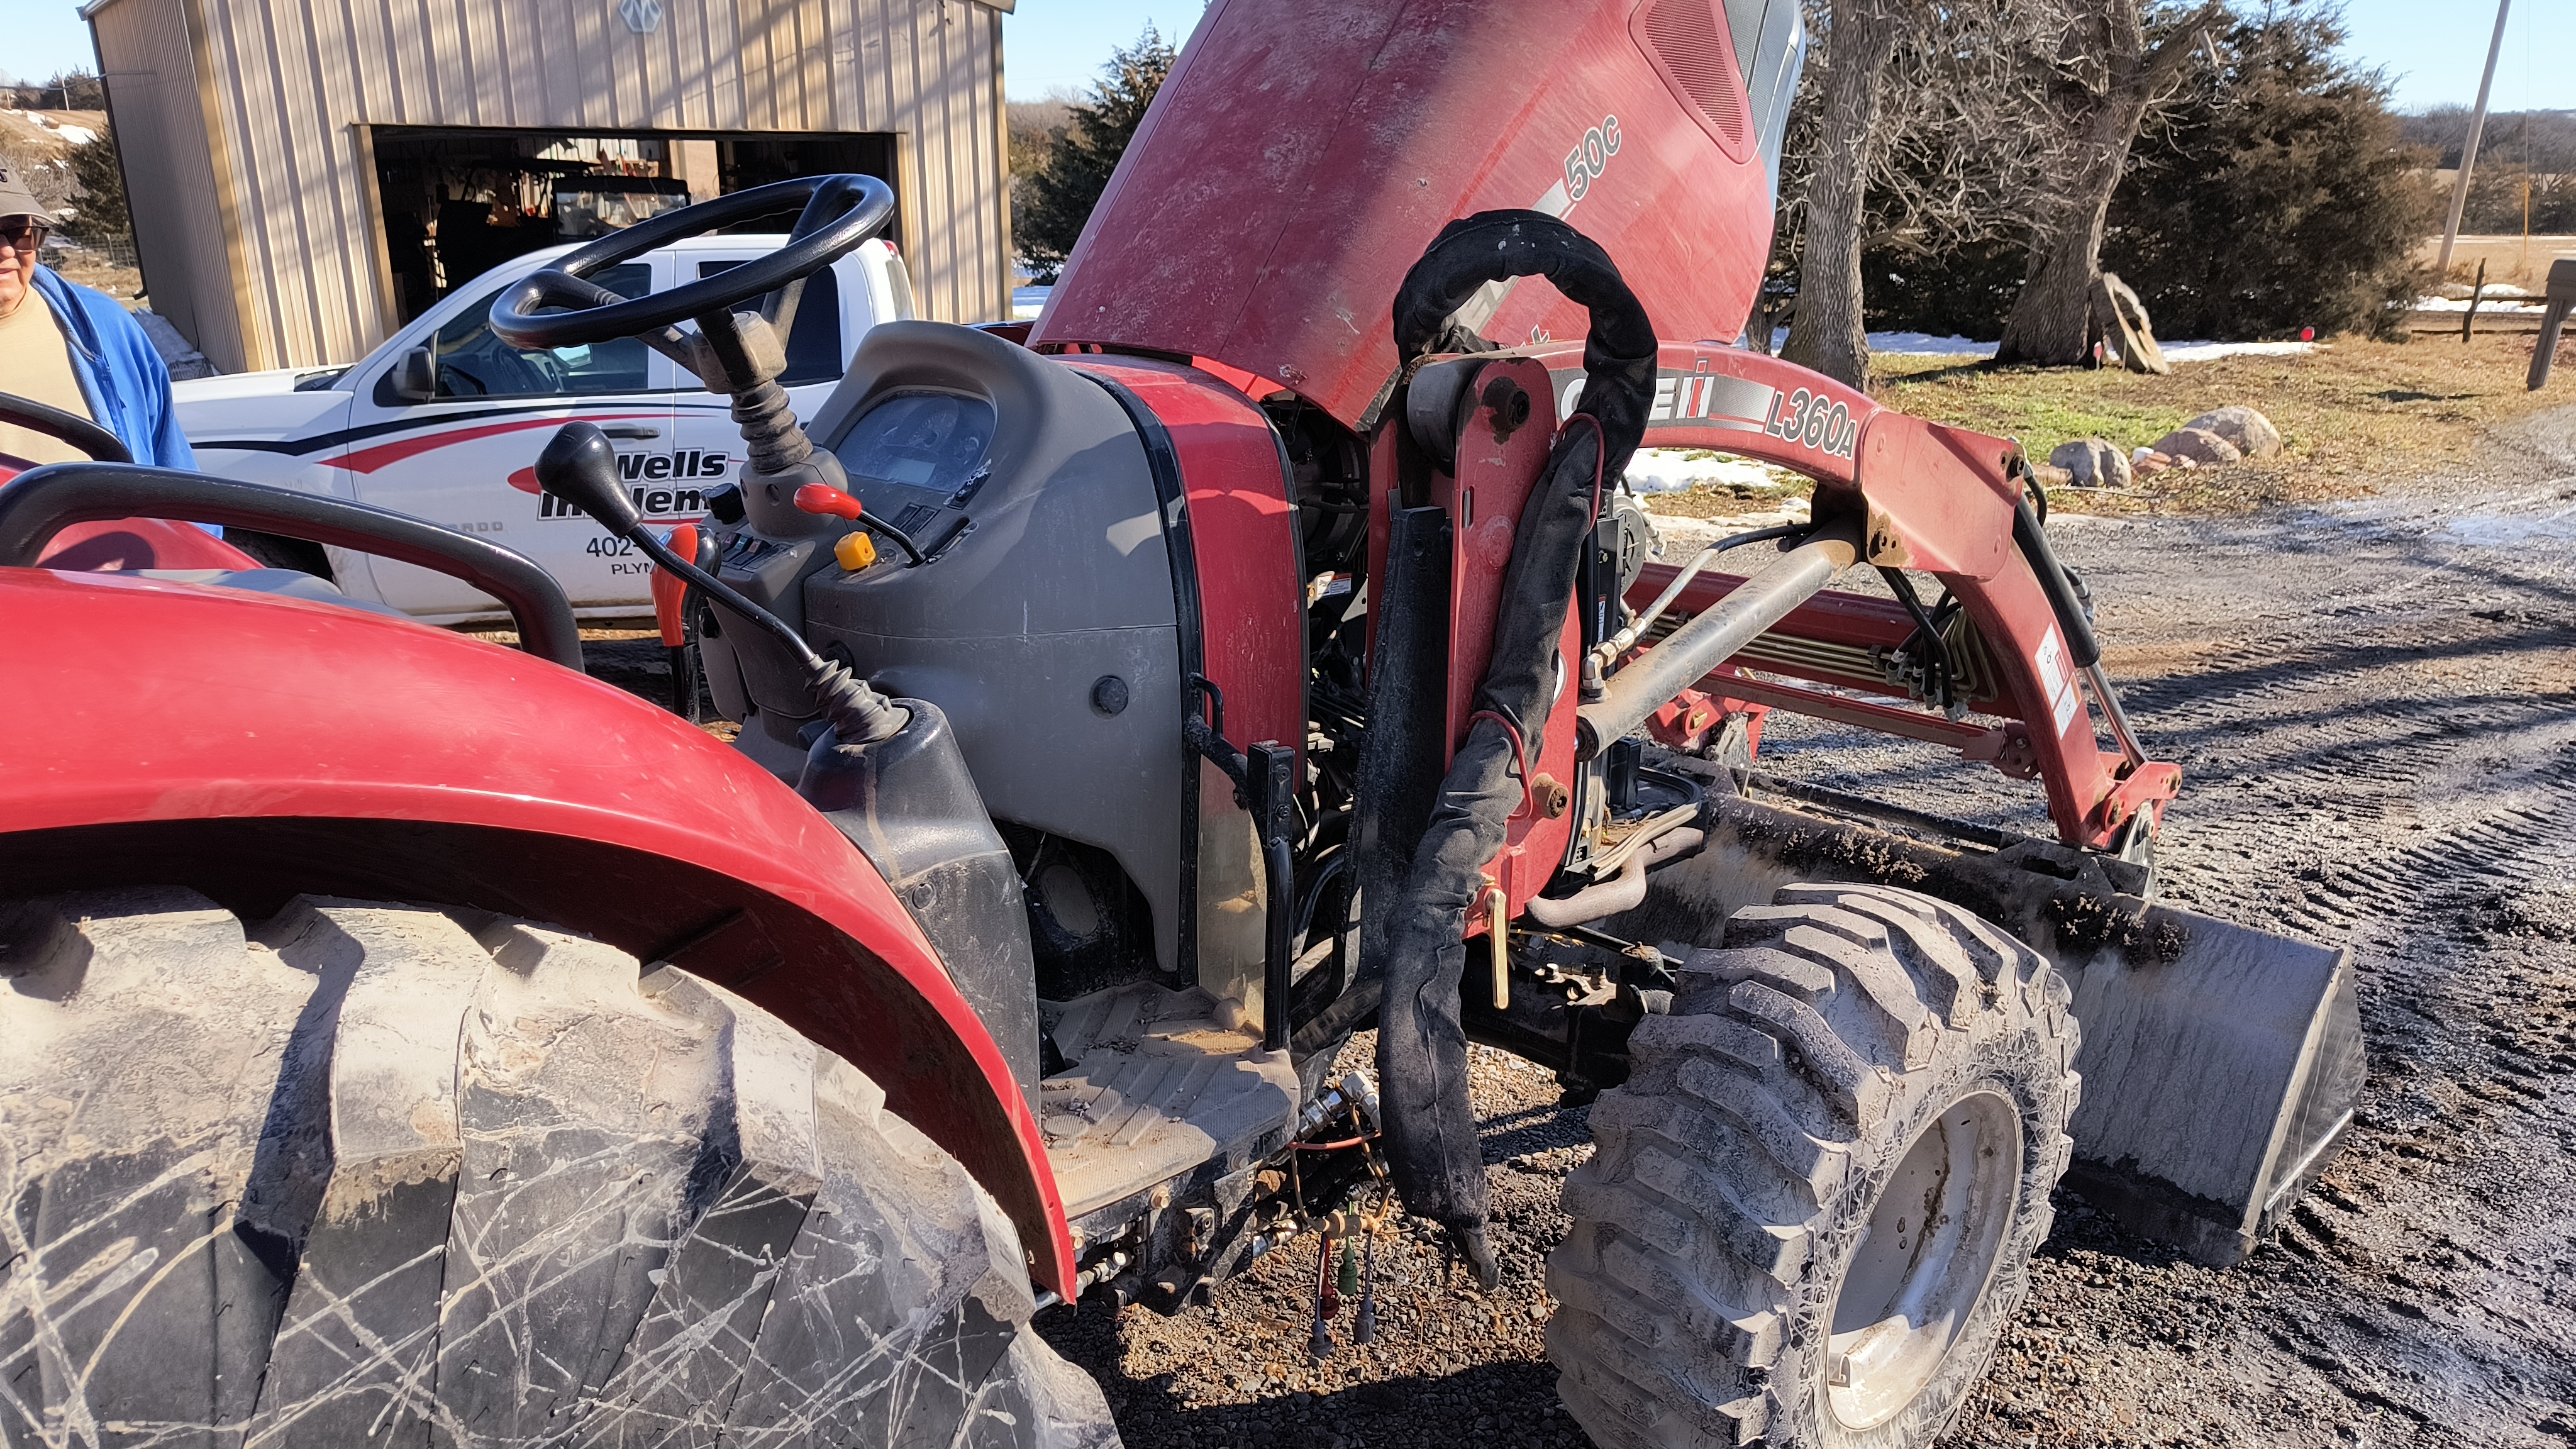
(2220,1063)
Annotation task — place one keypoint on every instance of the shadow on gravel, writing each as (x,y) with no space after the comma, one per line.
(1488,1404)
(1532,1129)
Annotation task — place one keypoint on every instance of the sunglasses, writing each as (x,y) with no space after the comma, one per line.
(23,235)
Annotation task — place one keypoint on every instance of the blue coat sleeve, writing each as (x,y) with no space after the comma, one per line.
(159,417)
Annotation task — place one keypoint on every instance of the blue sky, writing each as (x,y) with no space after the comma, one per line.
(2433,49)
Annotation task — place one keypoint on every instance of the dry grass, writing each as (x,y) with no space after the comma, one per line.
(2521,261)
(123,283)
(2352,416)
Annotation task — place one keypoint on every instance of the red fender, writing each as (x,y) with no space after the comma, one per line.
(253,747)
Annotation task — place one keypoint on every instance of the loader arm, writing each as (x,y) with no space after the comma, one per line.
(1934,499)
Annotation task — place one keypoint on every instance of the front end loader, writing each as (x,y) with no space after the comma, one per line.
(408,1038)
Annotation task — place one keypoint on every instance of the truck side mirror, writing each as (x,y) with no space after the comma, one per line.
(415,376)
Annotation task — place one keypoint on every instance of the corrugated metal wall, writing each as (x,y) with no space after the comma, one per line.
(155,104)
(289,84)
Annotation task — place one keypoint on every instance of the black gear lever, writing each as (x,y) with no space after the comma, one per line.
(579,466)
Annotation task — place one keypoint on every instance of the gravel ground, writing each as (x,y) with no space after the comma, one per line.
(2375,710)
(2374,705)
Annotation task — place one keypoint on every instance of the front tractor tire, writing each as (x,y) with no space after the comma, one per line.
(1812,1206)
(375,1175)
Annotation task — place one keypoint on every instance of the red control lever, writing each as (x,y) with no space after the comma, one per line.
(669,590)
(825,499)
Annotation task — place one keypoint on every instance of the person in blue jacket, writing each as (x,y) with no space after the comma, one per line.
(74,349)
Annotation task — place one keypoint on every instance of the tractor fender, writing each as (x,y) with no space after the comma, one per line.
(256,747)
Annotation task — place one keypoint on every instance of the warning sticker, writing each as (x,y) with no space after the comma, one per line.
(2058,680)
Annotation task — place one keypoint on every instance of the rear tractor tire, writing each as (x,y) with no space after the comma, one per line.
(1812,1206)
(370,1174)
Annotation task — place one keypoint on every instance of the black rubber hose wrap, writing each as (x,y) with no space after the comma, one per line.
(1432,1142)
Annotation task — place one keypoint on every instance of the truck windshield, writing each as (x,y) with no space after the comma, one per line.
(1771,45)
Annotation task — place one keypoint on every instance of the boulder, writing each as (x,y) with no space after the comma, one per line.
(2196,445)
(2092,463)
(2048,475)
(2148,460)
(2252,433)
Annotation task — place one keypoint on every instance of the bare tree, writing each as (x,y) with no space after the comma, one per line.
(1966,140)
(1961,141)
(2107,76)
(1827,333)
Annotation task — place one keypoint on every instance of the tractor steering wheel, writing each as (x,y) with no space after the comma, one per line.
(71,428)
(839,212)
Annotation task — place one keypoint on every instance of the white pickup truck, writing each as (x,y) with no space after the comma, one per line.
(443,422)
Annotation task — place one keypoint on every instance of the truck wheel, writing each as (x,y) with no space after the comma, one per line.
(386,1175)
(276,552)
(1812,1206)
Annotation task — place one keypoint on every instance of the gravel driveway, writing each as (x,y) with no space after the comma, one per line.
(2374,706)
(2375,710)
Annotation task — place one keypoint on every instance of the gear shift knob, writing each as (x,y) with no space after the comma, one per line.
(580,467)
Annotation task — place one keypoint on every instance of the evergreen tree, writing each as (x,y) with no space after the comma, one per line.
(2268,193)
(1082,154)
(2278,195)
(100,213)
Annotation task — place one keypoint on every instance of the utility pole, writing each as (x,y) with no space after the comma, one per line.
(2469,152)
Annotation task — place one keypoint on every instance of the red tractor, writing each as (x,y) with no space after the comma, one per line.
(410,1040)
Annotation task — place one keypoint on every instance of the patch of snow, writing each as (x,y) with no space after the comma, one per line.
(77,135)
(2205,351)
(1924,344)
(2513,530)
(2461,304)
(1677,470)
(1028,302)
(2545,515)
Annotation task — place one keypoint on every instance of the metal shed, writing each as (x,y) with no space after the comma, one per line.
(260,139)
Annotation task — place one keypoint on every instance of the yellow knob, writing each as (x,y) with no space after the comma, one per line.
(855,551)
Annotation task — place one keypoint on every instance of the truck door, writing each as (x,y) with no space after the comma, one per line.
(463,458)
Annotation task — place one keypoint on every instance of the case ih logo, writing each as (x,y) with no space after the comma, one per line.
(651,468)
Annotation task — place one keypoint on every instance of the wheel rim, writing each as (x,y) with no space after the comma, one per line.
(1925,1260)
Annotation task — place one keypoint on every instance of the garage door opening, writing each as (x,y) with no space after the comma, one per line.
(458,202)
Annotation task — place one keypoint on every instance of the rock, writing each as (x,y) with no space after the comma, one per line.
(2148,460)
(2092,463)
(2251,432)
(2049,475)
(2199,446)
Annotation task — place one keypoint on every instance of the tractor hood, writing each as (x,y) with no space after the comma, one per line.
(1300,157)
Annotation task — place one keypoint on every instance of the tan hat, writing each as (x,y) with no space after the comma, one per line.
(16,199)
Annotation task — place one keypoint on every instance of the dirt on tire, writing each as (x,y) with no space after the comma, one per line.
(379,1173)
(1763,1139)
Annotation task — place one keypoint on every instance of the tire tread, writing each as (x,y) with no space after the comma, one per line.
(1747,1139)
(459,1178)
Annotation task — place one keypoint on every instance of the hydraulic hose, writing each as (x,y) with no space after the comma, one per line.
(1431,1138)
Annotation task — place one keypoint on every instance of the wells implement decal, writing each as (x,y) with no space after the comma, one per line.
(685,501)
